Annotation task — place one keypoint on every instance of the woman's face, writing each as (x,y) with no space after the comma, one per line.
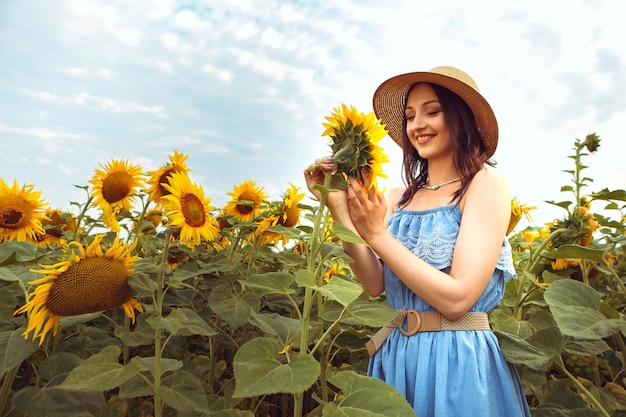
(425,123)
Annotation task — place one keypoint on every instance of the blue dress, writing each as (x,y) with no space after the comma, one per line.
(447,373)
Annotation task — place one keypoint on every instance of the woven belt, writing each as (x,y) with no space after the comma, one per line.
(425,322)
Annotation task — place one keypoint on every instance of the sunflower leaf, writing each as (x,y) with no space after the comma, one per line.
(183,391)
(229,307)
(17,252)
(270,283)
(366,397)
(346,234)
(258,370)
(186,322)
(14,349)
(100,372)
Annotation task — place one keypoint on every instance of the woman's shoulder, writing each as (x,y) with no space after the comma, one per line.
(491,178)
(394,194)
(488,186)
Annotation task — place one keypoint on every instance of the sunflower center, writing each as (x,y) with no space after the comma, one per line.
(15,212)
(290,217)
(244,208)
(90,285)
(193,210)
(116,186)
(165,178)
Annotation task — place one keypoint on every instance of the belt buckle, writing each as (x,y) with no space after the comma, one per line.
(413,323)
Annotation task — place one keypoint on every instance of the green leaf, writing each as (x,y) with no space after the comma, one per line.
(366,397)
(346,234)
(586,347)
(259,372)
(183,391)
(277,325)
(291,232)
(337,289)
(8,301)
(575,251)
(8,276)
(100,372)
(14,349)
(576,309)
(270,283)
(35,401)
(368,313)
(186,322)
(17,252)
(229,307)
(141,335)
(520,352)
(147,363)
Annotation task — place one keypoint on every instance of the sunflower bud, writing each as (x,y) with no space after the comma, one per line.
(592,142)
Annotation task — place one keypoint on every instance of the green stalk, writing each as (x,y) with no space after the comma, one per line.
(532,262)
(298,398)
(581,387)
(158,307)
(9,377)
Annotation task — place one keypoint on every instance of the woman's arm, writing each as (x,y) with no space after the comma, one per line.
(366,266)
(486,212)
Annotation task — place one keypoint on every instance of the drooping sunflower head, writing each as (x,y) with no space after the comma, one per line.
(21,212)
(57,223)
(162,176)
(286,213)
(91,280)
(355,138)
(517,211)
(114,186)
(188,210)
(246,202)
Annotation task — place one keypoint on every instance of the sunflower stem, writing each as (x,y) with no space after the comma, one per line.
(158,307)
(309,299)
(7,382)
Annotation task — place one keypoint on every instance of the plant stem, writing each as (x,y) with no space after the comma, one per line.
(308,292)
(158,307)
(532,262)
(9,377)
(581,387)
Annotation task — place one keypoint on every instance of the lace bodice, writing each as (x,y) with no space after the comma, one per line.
(431,235)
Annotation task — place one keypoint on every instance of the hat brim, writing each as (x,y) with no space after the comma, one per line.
(389,103)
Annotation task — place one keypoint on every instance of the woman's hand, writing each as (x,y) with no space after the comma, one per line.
(336,200)
(367,208)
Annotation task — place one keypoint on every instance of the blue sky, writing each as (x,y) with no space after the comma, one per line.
(243,86)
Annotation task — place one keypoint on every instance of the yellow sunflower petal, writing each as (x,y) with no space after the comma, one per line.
(21,212)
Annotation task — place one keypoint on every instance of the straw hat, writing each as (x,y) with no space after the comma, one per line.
(390,100)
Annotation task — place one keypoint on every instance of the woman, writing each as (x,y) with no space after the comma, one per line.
(437,248)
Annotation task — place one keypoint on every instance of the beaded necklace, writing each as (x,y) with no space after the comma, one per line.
(438,186)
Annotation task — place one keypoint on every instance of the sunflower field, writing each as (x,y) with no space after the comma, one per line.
(145,300)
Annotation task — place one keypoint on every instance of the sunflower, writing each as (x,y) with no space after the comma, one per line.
(355,138)
(56,224)
(91,281)
(21,212)
(286,213)
(113,189)
(162,176)
(246,201)
(188,210)
(517,211)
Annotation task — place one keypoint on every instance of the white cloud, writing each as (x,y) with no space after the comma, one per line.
(42,132)
(188,19)
(221,74)
(128,35)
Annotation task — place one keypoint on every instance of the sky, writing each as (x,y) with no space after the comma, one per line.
(243,86)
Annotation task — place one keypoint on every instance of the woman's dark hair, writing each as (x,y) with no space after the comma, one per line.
(469,151)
